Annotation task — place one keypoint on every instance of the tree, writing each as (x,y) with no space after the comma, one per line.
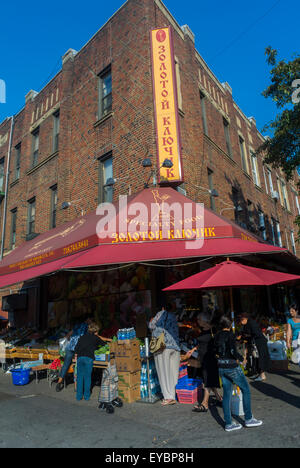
(283,148)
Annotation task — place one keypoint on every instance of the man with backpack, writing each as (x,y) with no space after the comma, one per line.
(231,374)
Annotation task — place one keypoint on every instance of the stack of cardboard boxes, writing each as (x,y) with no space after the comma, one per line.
(128,362)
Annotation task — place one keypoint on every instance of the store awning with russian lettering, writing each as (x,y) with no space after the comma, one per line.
(154,224)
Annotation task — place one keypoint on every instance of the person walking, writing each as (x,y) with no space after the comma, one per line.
(231,374)
(251,330)
(167,362)
(208,362)
(293,327)
(85,356)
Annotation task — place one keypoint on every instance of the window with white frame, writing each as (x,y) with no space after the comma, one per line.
(270,180)
(255,172)
(297,204)
(293,242)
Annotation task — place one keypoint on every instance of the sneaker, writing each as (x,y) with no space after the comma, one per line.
(59,387)
(233,427)
(253,423)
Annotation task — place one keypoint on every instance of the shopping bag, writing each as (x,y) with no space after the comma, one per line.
(109,385)
(237,408)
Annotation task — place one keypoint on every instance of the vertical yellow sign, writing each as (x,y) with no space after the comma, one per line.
(166,105)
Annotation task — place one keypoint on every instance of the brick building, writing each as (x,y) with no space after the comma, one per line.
(95,120)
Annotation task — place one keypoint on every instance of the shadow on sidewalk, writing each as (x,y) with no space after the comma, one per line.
(276,393)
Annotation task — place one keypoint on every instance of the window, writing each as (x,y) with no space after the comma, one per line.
(293,242)
(2,175)
(105,93)
(276,233)
(35,147)
(53,208)
(178,81)
(13,229)
(279,239)
(262,225)
(284,194)
(297,203)
(55,132)
(105,173)
(273,231)
(250,214)
(235,199)
(17,161)
(255,172)
(243,154)
(227,137)
(203,109)
(269,177)
(211,187)
(31,217)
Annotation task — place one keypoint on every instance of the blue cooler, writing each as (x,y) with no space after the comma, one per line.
(20,376)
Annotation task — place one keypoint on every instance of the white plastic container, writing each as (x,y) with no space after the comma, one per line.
(277,350)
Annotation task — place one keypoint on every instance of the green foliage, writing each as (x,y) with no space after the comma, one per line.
(283,149)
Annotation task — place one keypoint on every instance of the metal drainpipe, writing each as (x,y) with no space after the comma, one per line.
(6,188)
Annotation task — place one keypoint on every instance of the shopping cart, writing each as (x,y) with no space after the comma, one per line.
(108,396)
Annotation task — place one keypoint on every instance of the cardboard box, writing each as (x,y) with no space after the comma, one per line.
(130,395)
(128,364)
(280,365)
(125,348)
(129,379)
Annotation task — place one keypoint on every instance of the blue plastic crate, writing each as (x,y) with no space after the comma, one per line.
(189,384)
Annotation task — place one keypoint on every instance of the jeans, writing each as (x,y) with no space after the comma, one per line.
(84,378)
(67,363)
(237,377)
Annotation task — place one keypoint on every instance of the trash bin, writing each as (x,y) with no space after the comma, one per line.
(20,376)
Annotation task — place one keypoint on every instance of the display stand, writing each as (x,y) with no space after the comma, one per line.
(151,399)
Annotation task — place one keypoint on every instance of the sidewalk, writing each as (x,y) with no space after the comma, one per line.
(276,402)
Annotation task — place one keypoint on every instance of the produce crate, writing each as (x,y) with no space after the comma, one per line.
(125,348)
(129,379)
(128,364)
(130,395)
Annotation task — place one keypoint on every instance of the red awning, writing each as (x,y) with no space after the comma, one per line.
(169,250)
(31,273)
(232,274)
(77,244)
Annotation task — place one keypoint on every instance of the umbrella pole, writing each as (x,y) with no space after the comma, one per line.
(232,309)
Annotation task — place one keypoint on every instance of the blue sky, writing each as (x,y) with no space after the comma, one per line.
(231,37)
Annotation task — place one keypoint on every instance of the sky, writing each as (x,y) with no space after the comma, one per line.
(230,36)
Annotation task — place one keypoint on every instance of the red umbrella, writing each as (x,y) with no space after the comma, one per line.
(232,274)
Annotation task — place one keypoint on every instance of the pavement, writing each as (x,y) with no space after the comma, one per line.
(35,416)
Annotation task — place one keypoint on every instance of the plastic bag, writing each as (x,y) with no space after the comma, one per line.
(237,407)
(296,356)
(63,344)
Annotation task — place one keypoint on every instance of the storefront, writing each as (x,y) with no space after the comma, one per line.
(76,270)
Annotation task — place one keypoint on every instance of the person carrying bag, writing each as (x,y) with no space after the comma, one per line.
(165,347)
